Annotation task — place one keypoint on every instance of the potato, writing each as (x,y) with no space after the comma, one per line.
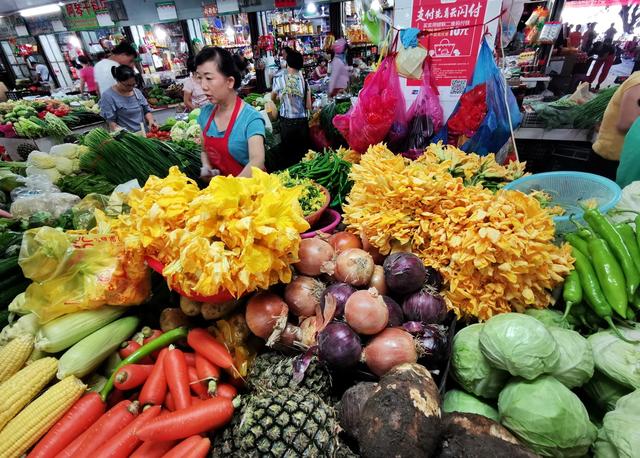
(402,417)
(476,436)
(171,318)
(214,311)
(351,404)
(189,307)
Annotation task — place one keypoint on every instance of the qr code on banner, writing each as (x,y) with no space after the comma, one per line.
(458,87)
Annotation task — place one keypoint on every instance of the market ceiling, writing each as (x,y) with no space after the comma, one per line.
(12,6)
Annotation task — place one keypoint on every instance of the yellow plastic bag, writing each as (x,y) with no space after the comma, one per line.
(409,61)
(44,251)
(94,271)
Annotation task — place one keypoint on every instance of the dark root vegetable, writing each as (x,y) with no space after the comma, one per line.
(303,294)
(391,347)
(313,253)
(351,405)
(402,418)
(341,241)
(366,312)
(396,317)
(353,266)
(340,292)
(424,306)
(339,346)
(377,280)
(404,272)
(263,311)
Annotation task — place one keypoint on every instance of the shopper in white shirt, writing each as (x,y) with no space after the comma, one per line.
(122,54)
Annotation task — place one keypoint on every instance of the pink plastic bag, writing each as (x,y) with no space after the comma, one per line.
(425,116)
(369,121)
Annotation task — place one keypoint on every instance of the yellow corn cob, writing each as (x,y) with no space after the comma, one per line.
(36,419)
(23,386)
(14,354)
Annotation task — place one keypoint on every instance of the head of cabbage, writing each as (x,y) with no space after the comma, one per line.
(550,318)
(471,369)
(547,417)
(604,392)
(619,435)
(459,401)
(617,359)
(519,344)
(575,366)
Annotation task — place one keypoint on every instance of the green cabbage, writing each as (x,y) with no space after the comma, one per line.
(617,359)
(575,366)
(519,344)
(547,417)
(604,391)
(620,428)
(459,401)
(472,370)
(41,160)
(549,318)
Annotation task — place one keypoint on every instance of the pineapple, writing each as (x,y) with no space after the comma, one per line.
(281,423)
(275,371)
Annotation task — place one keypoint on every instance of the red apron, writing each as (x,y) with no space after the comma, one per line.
(217,148)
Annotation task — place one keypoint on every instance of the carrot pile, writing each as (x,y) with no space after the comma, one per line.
(166,400)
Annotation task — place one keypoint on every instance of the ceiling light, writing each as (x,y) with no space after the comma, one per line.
(38,10)
(312,8)
(376,6)
(230,33)
(160,33)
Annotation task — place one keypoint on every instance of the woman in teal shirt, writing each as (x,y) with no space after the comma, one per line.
(233,132)
(629,122)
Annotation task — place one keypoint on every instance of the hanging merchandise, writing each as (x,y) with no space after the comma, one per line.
(425,116)
(266,42)
(510,19)
(550,32)
(369,121)
(372,27)
(535,23)
(409,61)
(469,127)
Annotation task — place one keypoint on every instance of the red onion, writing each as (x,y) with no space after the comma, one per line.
(366,312)
(434,279)
(377,280)
(263,311)
(373,251)
(396,317)
(404,272)
(313,253)
(353,266)
(424,306)
(339,346)
(340,292)
(303,294)
(433,342)
(391,347)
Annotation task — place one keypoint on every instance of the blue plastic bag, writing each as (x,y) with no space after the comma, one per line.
(494,130)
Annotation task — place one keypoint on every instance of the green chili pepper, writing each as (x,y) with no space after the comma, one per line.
(579,312)
(592,291)
(571,292)
(577,242)
(609,275)
(162,341)
(605,229)
(631,315)
(629,237)
(635,300)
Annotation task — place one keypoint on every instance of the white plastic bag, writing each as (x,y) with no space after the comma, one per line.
(630,200)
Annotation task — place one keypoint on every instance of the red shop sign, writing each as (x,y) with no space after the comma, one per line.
(454,38)
(285,3)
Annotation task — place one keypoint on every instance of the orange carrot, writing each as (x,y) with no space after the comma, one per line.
(206,345)
(177,375)
(196,384)
(125,441)
(132,376)
(153,449)
(155,388)
(226,390)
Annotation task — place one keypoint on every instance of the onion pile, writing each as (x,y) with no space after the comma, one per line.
(392,305)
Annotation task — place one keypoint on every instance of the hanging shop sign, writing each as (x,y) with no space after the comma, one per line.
(228,6)
(41,25)
(249,3)
(285,3)
(86,15)
(455,32)
(599,3)
(167,11)
(209,9)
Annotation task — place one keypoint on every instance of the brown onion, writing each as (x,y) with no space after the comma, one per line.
(377,280)
(303,295)
(391,347)
(354,266)
(341,241)
(312,253)
(378,257)
(263,311)
(366,312)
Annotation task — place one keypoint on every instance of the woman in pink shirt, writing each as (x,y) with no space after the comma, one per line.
(339,70)
(86,75)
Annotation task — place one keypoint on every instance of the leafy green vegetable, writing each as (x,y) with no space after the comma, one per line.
(471,369)
(549,318)
(617,359)
(311,199)
(575,366)
(547,417)
(56,126)
(459,401)
(620,435)
(604,391)
(519,344)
